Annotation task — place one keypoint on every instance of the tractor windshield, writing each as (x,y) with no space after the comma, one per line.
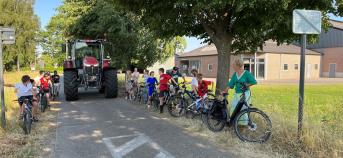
(83,49)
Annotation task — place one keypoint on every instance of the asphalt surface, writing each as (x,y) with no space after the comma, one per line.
(97,127)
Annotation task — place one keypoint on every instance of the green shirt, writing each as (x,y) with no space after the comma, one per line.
(246,77)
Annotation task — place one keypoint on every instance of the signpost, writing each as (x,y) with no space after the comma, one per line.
(7,36)
(304,22)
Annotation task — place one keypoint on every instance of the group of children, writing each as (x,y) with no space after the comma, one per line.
(199,86)
(30,88)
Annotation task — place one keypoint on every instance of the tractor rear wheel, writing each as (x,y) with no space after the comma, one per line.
(111,83)
(70,85)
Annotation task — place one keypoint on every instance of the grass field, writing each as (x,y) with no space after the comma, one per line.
(323,108)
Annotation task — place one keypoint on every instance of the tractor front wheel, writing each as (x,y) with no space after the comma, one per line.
(111,83)
(70,85)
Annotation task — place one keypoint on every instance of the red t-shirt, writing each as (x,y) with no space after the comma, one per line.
(44,83)
(164,78)
(203,87)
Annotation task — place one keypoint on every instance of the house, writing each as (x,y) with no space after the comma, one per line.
(273,62)
(168,64)
(330,44)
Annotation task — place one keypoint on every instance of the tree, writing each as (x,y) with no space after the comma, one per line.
(233,26)
(129,41)
(19,14)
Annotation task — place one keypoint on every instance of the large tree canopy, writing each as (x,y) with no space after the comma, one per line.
(19,15)
(129,41)
(232,25)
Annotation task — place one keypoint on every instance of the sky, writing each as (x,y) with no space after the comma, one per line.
(45,9)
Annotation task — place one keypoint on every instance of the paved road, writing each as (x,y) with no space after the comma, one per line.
(96,127)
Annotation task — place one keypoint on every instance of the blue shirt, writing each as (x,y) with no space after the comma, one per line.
(151,81)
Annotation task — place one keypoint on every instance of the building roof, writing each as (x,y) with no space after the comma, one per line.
(336,24)
(269,47)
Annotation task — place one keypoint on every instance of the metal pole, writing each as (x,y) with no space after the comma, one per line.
(3,108)
(301,85)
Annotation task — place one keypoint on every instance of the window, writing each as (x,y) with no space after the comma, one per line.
(316,66)
(285,66)
(296,66)
(210,67)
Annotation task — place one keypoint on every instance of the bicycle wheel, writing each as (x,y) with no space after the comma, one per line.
(253,125)
(27,123)
(215,119)
(43,103)
(176,106)
(155,103)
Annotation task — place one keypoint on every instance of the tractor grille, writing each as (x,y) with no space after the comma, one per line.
(92,70)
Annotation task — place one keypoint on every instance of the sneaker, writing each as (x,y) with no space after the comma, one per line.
(35,119)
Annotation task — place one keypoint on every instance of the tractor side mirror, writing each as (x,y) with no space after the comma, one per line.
(64,47)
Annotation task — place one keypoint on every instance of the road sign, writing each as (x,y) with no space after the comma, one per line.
(307,21)
(7,36)
(304,22)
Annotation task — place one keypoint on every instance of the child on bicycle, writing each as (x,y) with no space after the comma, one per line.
(151,84)
(164,88)
(45,83)
(202,90)
(56,82)
(24,91)
(129,84)
(240,76)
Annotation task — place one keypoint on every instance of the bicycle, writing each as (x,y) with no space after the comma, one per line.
(27,116)
(139,94)
(155,101)
(43,102)
(244,119)
(54,91)
(185,103)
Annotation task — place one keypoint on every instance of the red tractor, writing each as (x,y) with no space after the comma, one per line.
(89,66)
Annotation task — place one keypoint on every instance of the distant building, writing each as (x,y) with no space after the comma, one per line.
(330,44)
(273,62)
(167,65)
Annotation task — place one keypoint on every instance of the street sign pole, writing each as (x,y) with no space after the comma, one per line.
(301,85)
(2,92)
(304,22)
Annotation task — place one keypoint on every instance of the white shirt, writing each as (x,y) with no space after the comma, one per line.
(194,82)
(135,76)
(23,90)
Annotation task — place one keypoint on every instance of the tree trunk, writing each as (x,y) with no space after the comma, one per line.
(223,46)
(18,64)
